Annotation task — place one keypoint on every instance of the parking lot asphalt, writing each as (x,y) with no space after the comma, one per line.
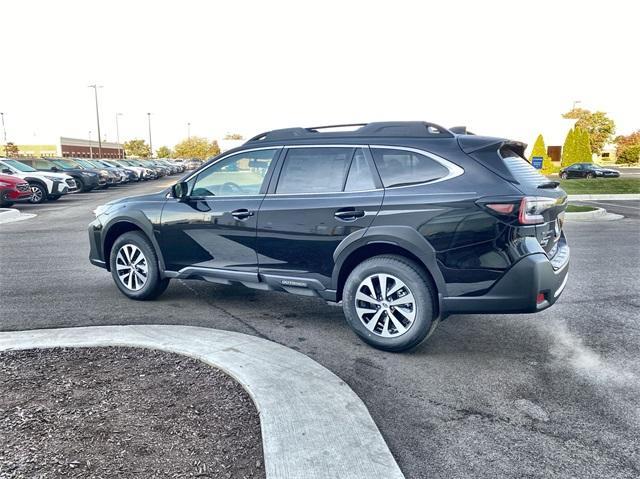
(547,395)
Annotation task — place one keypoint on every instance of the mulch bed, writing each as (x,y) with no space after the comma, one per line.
(125,413)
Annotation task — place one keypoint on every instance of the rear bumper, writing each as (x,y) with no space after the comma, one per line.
(519,289)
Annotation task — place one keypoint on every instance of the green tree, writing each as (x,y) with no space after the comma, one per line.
(540,150)
(137,147)
(568,150)
(599,126)
(164,152)
(629,156)
(582,146)
(11,150)
(196,147)
(233,136)
(623,142)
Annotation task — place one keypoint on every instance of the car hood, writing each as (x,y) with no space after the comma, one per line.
(161,196)
(13,180)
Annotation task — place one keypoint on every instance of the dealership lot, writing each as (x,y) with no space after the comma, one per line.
(547,395)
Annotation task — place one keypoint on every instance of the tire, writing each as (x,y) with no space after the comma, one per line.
(4,203)
(38,193)
(54,197)
(563,176)
(82,188)
(399,272)
(590,176)
(126,249)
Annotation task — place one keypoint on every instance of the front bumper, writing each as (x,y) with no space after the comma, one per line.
(519,290)
(95,244)
(60,188)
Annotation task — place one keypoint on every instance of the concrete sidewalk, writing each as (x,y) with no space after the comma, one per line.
(605,196)
(313,424)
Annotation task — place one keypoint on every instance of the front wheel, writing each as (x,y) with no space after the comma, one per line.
(38,193)
(134,267)
(389,301)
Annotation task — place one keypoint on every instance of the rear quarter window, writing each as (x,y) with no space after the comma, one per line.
(400,167)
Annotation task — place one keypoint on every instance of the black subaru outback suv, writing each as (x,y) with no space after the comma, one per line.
(405,223)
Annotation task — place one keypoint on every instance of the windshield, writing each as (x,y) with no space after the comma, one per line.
(66,163)
(87,164)
(19,166)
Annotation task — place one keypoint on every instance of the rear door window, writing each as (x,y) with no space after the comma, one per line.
(401,167)
(314,170)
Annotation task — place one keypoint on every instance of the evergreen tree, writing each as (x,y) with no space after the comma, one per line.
(583,146)
(540,150)
(568,150)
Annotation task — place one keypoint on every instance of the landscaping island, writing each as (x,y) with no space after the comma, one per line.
(123,412)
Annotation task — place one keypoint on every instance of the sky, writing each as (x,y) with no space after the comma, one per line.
(502,68)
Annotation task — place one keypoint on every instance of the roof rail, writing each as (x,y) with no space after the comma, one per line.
(418,129)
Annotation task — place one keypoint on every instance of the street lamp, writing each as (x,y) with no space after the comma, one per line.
(3,128)
(575,102)
(90,146)
(189,131)
(95,90)
(150,143)
(120,152)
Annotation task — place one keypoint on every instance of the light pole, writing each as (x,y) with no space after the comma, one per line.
(189,131)
(575,102)
(95,90)
(150,143)
(4,130)
(120,155)
(90,146)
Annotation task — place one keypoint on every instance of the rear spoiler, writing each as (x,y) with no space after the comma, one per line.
(486,151)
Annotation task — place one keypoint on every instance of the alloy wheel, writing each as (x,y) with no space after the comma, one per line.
(385,305)
(37,195)
(132,267)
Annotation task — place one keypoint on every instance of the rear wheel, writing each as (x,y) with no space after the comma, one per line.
(134,267)
(390,303)
(563,176)
(38,193)
(590,176)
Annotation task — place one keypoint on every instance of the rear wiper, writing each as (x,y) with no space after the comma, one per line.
(549,185)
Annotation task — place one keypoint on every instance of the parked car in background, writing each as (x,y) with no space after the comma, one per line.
(13,189)
(132,175)
(44,185)
(111,177)
(85,180)
(404,223)
(141,172)
(587,170)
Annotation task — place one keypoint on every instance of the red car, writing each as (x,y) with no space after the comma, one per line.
(13,189)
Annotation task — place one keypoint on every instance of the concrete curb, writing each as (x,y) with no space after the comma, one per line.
(599,214)
(617,197)
(9,215)
(313,424)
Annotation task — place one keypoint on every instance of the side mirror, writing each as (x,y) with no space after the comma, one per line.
(55,168)
(7,171)
(180,191)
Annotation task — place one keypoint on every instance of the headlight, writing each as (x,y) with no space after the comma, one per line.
(87,173)
(53,178)
(2,183)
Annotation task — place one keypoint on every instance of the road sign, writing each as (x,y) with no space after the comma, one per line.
(536,161)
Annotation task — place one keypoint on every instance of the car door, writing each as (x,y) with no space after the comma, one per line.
(322,195)
(214,229)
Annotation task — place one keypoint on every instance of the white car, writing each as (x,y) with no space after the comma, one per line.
(44,185)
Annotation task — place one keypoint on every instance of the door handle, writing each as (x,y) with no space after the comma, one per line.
(242,214)
(348,214)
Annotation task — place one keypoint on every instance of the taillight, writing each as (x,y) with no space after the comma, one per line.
(532,207)
(501,208)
